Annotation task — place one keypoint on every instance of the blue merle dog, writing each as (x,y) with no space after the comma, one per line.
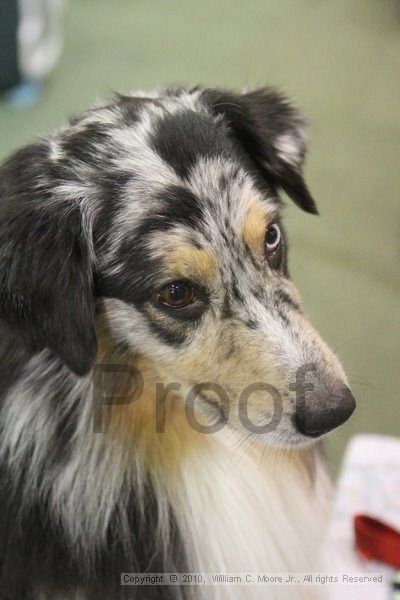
(142,247)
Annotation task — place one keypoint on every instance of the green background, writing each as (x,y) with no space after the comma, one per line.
(340,61)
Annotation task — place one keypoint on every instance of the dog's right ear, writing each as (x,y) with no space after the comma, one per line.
(273,133)
(45,260)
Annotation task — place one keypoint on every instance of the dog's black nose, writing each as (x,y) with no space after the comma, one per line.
(325,412)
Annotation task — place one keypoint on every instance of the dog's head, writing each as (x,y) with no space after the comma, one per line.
(165,209)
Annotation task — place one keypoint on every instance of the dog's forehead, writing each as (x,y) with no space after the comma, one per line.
(191,197)
(186,167)
(169,136)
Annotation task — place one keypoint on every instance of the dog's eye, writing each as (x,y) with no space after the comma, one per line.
(273,239)
(176,294)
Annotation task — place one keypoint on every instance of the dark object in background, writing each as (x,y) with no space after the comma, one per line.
(9,71)
(30,45)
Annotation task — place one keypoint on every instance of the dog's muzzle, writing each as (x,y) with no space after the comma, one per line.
(324,411)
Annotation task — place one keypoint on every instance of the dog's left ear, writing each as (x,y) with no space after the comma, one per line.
(46,286)
(272,132)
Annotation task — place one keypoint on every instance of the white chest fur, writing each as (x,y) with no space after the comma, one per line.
(257,512)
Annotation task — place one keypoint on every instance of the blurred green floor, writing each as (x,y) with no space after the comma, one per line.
(341,62)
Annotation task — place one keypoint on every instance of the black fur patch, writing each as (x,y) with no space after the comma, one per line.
(35,554)
(251,324)
(168,335)
(45,279)
(138,274)
(282,297)
(179,206)
(14,354)
(236,293)
(182,138)
(226,311)
(83,143)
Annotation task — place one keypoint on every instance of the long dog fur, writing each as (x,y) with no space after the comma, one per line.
(95,220)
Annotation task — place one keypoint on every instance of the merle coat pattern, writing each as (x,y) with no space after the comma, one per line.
(97,220)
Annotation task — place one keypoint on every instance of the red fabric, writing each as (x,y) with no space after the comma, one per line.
(377,541)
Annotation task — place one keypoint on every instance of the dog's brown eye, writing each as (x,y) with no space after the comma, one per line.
(176,294)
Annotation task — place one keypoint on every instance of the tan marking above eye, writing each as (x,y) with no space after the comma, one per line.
(255,226)
(191,263)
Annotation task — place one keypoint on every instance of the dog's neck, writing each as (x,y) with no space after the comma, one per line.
(201,502)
